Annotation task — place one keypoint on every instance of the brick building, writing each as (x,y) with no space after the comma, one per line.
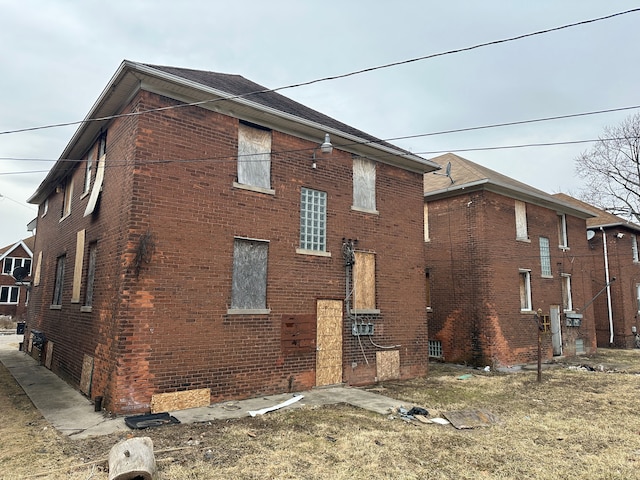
(14,296)
(496,251)
(213,240)
(613,243)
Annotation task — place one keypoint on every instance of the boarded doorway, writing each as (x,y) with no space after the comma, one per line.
(556,331)
(329,342)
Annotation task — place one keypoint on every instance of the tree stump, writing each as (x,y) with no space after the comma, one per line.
(132,459)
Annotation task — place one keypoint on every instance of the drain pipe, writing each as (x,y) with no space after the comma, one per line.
(606,276)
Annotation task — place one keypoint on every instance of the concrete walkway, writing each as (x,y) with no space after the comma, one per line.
(73,414)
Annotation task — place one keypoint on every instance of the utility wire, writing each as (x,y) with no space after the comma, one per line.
(333,77)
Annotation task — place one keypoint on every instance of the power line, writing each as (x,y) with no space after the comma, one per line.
(333,77)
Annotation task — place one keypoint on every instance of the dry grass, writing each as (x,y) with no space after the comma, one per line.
(574,425)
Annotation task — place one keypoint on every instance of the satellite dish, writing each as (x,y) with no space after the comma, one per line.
(20,273)
(447,173)
(590,234)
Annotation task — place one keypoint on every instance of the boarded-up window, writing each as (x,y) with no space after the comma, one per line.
(91,273)
(313,220)
(249,287)
(59,281)
(364,282)
(545,257)
(254,156)
(77,267)
(364,184)
(525,290)
(521,221)
(36,276)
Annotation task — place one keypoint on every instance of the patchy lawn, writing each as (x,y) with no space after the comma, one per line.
(576,424)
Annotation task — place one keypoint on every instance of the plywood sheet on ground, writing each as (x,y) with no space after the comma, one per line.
(168,402)
(388,365)
(49,355)
(471,418)
(86,375)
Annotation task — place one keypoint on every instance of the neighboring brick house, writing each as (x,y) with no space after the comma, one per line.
(497,250)
(14,296)
(613,243)
(200,247)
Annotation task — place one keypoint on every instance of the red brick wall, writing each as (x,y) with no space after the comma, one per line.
(474,261)
(18,312)
(624,305)
(167,329)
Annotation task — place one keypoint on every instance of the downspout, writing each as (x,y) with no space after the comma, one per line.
(606,276)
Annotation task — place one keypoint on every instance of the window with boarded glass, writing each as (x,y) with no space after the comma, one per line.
(567,301)
(91,273)
(521,220)
(364,184)
(254,156)
(59,280)
(249,283)
(313,220)
(545,257)
(364,281)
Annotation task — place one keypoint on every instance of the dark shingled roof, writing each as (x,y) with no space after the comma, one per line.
(238,85)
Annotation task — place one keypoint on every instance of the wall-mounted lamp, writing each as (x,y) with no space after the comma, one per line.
(325,148)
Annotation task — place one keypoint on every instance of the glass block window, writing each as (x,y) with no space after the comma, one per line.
(545,257)
(313,220)
(435,348)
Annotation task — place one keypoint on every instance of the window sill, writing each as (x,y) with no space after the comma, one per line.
(429,309)
(365,311)
(527,312)
(546,276)
(564,248)
(86,309)
(315,253)
(253,188)
(55,307)
(65,217)
(523,239)
(248,311)
(364,210)
(85,194)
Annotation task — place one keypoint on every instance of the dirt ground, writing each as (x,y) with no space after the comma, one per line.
(580,422)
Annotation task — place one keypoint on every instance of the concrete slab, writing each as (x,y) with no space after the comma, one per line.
(73,414)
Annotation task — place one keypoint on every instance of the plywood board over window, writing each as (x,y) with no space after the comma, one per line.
(254,156)
(249,283)
(364,282)
(364,184)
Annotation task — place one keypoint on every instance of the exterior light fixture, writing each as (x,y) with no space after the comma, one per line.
(325,148)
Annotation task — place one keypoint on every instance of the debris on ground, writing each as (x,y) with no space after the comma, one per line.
(132,459)
(465,419)
(286,403)
(149,420)
(466,376)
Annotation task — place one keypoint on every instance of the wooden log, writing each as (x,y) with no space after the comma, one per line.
(132,459)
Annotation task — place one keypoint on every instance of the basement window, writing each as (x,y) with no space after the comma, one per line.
(249,282)
(435,348)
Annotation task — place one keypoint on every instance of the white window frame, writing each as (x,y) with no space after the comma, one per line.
(525,296)
(638,297)
(313,222)
(545,257)
(426,222)
(67,198)
(15,263)
(522,233)
(567,299)
(634,248)
(88,172)
(9,289)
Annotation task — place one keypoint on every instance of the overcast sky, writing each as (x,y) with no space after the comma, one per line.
(57,56)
